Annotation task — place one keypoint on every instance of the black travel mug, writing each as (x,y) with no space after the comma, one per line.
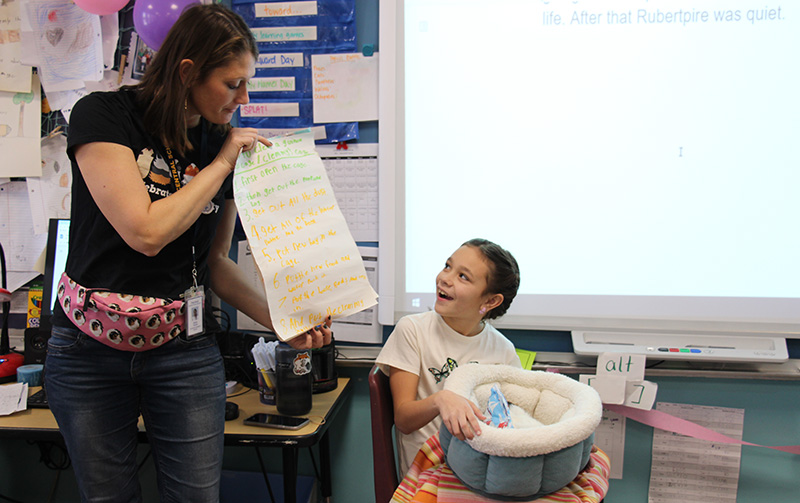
(323,368)
(294,380)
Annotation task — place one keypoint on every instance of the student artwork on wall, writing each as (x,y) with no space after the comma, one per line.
(20,115)
(68,43)
(309,263)
(50,195)
(21,245)
(14,76)
(288,33)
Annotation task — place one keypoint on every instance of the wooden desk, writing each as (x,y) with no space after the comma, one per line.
(324,408)
(39,424)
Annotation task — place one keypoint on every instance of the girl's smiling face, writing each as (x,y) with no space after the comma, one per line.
(461,290)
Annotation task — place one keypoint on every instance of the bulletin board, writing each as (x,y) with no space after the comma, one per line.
(288,34)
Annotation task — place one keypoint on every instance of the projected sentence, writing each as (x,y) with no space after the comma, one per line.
(307,258)
(651,158)
(651,16)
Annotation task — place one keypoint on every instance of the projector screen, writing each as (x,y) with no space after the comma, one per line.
(639,158)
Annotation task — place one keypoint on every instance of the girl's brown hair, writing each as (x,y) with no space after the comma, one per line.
(503,274)
(211,36)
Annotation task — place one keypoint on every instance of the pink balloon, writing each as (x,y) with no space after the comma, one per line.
(153,19)
(101,7)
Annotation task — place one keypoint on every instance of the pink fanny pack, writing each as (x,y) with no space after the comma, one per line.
(121,321)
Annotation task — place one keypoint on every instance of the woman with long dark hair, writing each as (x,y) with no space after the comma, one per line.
(152,222)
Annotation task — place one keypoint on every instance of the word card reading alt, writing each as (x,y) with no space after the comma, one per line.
(298,236)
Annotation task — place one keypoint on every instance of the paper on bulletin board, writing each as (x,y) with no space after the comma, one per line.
(14,76)
(298,236)
(50,195)
(22,246)
(345,87)
(109,28)
(68,43)
(20,132)
(245,262)
(691,469)
(610,437)
(363,327)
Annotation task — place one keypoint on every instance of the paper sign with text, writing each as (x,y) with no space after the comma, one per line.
(298,236)
(620,381)
(629,365)
(345,87)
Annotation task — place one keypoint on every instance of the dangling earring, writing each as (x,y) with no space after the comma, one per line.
(185,104)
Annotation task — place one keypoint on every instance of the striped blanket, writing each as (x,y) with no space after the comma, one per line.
(430,480)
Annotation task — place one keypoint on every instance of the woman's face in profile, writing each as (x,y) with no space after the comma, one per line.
(218,96)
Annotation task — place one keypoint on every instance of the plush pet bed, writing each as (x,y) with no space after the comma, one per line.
(554,418)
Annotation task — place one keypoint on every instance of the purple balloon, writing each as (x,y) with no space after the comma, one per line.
(153,19)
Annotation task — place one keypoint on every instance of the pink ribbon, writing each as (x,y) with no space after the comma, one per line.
(668,422)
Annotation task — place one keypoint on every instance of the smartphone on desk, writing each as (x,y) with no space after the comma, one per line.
(276,421)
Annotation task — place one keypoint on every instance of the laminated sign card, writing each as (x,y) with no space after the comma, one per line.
(308,260)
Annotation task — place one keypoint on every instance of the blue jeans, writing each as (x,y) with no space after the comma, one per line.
(97,393)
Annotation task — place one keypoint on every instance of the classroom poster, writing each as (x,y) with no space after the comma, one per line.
(310,265)
(288,34)
(345,87)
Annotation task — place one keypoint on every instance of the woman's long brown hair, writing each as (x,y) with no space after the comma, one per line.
(211,36)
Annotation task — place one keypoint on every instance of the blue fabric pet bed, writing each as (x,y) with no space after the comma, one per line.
(554,418)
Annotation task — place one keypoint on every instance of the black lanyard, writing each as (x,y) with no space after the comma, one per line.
(176,179)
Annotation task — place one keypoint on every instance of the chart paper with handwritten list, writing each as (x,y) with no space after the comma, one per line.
(304,251)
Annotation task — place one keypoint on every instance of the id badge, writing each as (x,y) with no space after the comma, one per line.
(195,302)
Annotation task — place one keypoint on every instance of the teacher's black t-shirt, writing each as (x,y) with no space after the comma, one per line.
(98,256)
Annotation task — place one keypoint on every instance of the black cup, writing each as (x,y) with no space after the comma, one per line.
(323,368)
(294,380)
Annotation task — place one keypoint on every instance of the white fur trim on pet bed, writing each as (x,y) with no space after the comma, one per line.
(550,411)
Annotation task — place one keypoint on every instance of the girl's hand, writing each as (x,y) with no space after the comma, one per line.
(319,336)
(239,140)
(461,417)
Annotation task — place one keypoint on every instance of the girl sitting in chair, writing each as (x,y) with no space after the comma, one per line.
(478,283)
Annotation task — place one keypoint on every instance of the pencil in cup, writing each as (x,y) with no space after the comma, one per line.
(266,386)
